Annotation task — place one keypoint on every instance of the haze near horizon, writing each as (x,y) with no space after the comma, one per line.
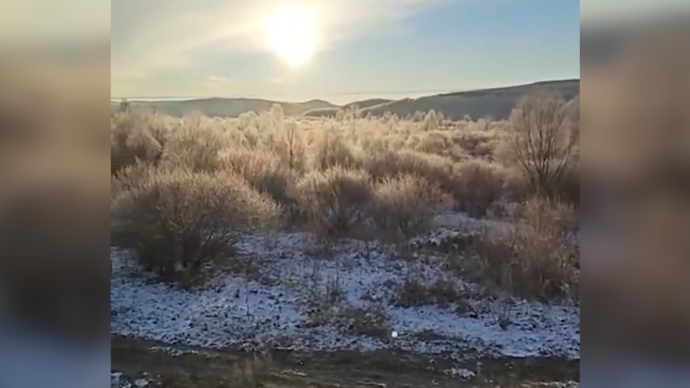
(338,50)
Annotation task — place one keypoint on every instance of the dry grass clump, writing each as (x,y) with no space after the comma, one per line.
(415,292)
(481,143)
(569,188)
(195,145)
(405,205)
(332,150)
(178,220)
(547,216)
(337,201)
(474,185)
(135,137)
(252,371)
(264,170)
(434,168)
(533,259)
(479,185)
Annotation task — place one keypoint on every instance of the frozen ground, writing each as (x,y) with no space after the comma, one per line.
(117,380)
(275,305)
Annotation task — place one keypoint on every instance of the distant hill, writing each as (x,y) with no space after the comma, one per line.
(357,105)
(225,107)
(496,103)
(366,103)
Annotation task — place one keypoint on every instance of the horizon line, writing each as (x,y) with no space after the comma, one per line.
(427,92)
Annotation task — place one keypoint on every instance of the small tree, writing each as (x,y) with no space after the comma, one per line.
(431,121)
(541,141)
(277,112)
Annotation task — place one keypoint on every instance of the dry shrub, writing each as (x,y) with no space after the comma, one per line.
(474,185)
(371,321)
(405,205)
(388,164)
(517,187)
(569,189)
(132,139)
(247,120)
(290,148)
(263,170)
(477,186)
(547,216)
(195,146)
(333,151)
(176,220)
(532,260)
(477,144)
(417,291)
(133,176)
(435,142)
(337,200)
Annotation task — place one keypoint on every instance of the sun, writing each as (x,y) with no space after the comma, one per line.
(292,33)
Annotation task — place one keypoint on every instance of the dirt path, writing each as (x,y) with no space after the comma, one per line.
(345,369)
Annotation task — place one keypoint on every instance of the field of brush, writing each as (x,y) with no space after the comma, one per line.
(455,242)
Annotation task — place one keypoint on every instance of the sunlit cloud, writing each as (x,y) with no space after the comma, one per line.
(154,36)
(215,82)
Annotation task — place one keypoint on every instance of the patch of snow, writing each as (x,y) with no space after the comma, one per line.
(176,352)
(117,380)
(462,373)
(240,311)
(141,382)
(460,222)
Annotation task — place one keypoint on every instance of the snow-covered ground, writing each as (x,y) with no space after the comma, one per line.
(118,381)
(273,305)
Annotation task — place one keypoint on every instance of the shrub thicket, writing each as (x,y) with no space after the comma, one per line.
(187,189)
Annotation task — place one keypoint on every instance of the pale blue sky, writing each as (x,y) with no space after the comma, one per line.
(185,48)
(369,46)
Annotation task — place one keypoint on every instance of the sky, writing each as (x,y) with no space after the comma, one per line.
(364,48)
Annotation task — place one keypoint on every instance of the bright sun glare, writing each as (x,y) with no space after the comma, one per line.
(292,33)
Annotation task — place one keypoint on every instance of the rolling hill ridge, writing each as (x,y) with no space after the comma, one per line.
(495,102)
